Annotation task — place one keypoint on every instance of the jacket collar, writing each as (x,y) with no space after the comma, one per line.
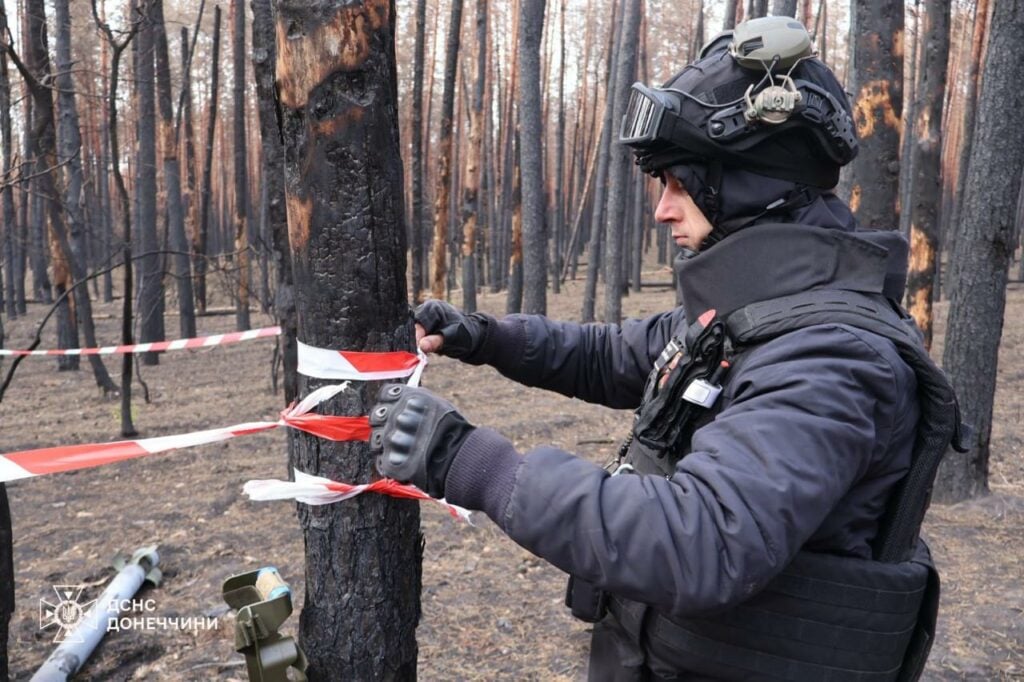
(773,260)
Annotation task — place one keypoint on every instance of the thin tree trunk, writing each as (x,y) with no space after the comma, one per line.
(534,237)
(264,62)
(151,289)
(416,237)
(444,173)
(117,48)
(925,163)
(620,164)
(172,177)
(785,8)
(758,8)
(7,198)
(70,155)
(200,247)
(241,177)
(472,170)
(983,250)
(189,202)
(343,183)
(514,299)
(729,22)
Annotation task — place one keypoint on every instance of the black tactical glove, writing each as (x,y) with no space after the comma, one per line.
(463,335)
(416,435)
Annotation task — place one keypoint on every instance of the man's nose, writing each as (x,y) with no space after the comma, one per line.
(666,210)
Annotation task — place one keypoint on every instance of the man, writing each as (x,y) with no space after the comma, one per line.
(762,520)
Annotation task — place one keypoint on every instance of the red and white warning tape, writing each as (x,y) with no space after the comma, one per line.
(156,346)
(306,488)
(28,463)
(323,363)
(316,490)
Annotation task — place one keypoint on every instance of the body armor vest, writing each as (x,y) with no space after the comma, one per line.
(824,616)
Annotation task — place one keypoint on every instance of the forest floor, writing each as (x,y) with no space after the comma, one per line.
(490,609)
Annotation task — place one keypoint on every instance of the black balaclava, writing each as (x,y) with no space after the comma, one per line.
(740,198)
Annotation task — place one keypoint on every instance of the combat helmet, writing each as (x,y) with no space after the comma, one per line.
(757,99)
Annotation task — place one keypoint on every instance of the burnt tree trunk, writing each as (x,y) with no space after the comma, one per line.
(189,203)
(70,155)
(877,81)
(925,190)
(531,132)
(151,288)
(444,162)
(241,176)
(172,178)
(785,8)
(619,164)
(983,251)
(514,298)
(343,183)
(758,8)
(117,49)
(264,64)
(729,22)
(416,238)
(200,250)
(558,212)
(7,210)
(7,595)
(472,170)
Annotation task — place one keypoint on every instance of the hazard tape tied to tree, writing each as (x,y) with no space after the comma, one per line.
(308,489)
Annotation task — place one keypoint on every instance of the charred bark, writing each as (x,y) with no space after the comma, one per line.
(172,178)
(785,8)
(444,162)
(531,132)
(983,250)
(264,64)
(200,245)
(472,170)
(343,183)
(241,175)
(151,287)
(619,180)
(7,210)
(416,238)
(877,81)
(70,156)
(925,190)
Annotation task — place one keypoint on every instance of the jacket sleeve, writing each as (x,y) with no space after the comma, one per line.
(599,363)
(805,419)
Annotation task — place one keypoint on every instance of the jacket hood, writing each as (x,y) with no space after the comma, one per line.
(782,259)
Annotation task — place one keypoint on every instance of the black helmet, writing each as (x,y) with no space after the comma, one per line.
(758,99)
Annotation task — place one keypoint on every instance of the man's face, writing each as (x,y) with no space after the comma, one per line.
(678,210)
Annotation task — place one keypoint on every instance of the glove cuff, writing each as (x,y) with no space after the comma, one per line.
(503,342)
(483,474)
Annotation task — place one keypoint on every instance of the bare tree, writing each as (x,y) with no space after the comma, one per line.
(172,177)
(343,181)
(535,278)
(983,251)
(472,169)
(925,191)
(200,245)
(872,179)
(241,176)
(117,49)
(619,180)
(444,173)
(416,237)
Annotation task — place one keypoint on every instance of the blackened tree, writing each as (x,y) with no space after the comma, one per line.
(343,186)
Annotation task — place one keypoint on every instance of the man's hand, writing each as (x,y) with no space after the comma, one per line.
(416,436)
(443,328)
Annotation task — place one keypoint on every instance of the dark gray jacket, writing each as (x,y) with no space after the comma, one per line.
(814,428)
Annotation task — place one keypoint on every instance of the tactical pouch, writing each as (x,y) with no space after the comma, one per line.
(587,602)
(664,414)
